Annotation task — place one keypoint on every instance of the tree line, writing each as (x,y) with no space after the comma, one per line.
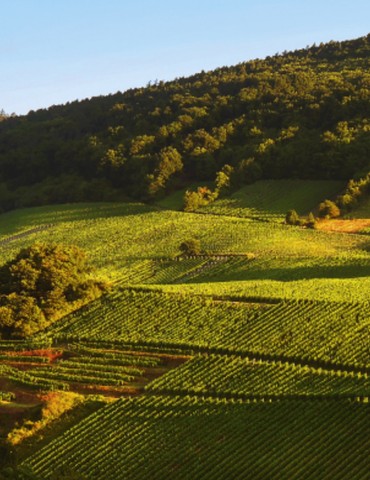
(301,114)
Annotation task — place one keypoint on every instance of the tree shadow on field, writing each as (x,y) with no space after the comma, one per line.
(355,270)
(17,220)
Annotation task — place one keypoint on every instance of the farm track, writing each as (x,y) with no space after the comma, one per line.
(26,233)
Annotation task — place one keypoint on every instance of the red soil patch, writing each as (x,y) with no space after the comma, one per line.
(345,226)
(50,354)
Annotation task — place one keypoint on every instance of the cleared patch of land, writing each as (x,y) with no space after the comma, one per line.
(354,225)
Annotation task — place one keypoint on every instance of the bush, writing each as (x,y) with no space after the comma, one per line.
(194,200)
(328,209)
(190,247)
(292,218)
(311,221)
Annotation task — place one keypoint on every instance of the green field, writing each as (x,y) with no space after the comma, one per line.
(118,237)
(186,438)
(362,210)
(237,377)
(312,331)
(247,358)
(270,200)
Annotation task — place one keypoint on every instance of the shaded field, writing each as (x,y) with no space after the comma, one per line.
(133,243)
(181,438)
(270,200)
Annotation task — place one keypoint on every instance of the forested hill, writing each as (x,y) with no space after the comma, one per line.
(301,114)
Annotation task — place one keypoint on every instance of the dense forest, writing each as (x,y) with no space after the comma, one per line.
(301,114)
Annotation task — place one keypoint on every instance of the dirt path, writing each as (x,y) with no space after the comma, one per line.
(25,233)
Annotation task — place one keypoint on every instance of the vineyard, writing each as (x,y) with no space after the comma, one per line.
(326,332)
(252,356)
(79,367)
(263,200)
(175,437)
(236,377)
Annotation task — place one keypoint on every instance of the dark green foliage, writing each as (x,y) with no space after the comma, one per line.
(292,218)
(356,191)
(200,198)
(328,209)
(248,171)
(39,284)
(169,163)
(190,247)
(303,114)
(311,221)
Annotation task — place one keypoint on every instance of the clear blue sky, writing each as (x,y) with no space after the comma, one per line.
(54,51)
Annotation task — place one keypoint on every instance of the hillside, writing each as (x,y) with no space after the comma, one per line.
(301,114)
(214,342)
(253,355)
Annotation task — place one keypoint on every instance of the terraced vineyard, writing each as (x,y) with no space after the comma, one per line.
(251,357)
(263,200)
(172,437)
(78,366)
(236,377)
(119,237)
(326,332)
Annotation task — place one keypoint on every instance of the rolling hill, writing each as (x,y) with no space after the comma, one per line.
(248,359)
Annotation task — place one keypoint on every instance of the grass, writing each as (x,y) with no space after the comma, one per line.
(271,199)
(362,211)
(239,298)
(118,235)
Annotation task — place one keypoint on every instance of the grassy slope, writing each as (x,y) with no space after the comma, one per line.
(135,245)
(363,210)
(126,241)
(271,199)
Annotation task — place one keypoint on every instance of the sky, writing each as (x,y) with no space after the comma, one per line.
(55,51)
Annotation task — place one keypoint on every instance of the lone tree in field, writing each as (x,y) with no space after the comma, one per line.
(40,285)
(292,218)
(311,221)
(190,247)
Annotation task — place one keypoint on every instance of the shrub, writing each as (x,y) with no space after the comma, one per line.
(311,221)
(190,247)
(292,218)
(200,198)
(328,209)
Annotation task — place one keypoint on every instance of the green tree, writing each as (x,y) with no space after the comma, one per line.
(328,209)
(200,198)
(190,247)
(42,283)
(292,218)
(311,221)
(224,180)
(169,163)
